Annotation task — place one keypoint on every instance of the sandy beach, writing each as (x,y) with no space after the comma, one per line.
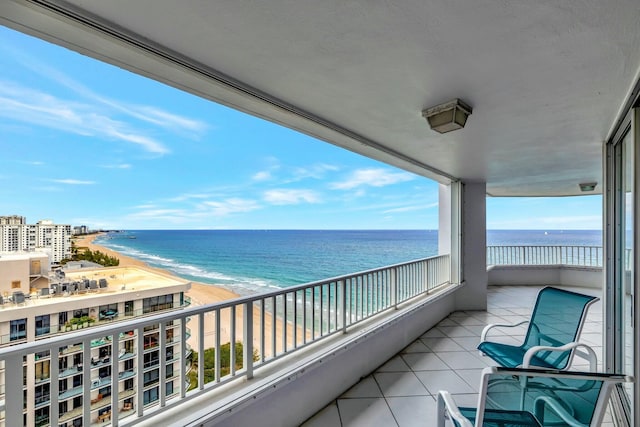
(200,294)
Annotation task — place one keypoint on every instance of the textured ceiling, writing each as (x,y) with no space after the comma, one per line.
(546,78)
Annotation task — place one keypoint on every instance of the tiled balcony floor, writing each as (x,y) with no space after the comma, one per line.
(403,391)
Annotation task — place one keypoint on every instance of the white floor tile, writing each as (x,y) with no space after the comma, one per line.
(366,387)
(444,380)
(396,384)
(414,411)
(424,362)
(365,413)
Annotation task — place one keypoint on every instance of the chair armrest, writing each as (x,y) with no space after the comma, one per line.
(486,329)
(555,406)
(589,355)
(445,401)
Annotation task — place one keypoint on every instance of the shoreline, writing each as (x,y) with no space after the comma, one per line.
(200,293)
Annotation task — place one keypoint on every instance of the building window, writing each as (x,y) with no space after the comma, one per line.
(42,324)
(42,394)
(151,359)
(128,308)
(128,384)
(42,370)
(162,302)
(169,389)
(151,395)
(169,371)
(151,377)
(63,317)
(18,329)
(151,340)
(42,416)
(108,312)
(15,284)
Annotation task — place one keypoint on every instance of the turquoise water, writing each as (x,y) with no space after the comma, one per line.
(249,261)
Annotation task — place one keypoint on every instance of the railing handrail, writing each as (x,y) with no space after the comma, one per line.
(572,255)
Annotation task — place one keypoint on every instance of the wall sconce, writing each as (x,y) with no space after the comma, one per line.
(588,186)
(449,116)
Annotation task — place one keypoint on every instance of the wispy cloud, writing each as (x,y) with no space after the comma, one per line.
(290,197)
(262,176)
(374,177)
(34,163)
(117,166)
(317,171)
(412,208)
(70,181)
(145,113)
(38,108)
(229,206)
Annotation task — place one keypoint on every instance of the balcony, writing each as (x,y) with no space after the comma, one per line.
(330,332)
(402,392)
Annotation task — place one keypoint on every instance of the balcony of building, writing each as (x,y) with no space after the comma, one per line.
(300,351)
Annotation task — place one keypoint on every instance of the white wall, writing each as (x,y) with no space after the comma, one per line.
(553,275)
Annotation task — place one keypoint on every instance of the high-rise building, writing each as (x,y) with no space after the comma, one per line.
(17,235)
(38,304)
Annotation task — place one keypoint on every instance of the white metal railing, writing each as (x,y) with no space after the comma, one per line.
(587,256)
(259,329)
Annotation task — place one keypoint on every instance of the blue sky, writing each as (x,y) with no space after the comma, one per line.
(87,143)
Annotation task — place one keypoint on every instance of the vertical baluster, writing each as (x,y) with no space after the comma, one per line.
(201,320)
(232,342)
(247,348)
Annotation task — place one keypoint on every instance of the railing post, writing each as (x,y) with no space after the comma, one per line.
(394,287)
(343,283)
(247,348)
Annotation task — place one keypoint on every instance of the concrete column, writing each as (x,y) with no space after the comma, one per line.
(444,219)
(473,296)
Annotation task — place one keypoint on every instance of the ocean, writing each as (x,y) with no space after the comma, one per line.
(250,261)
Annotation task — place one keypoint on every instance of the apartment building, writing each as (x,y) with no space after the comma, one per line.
(35,306)
(17,235)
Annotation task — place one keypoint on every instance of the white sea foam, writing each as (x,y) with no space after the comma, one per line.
(241,285)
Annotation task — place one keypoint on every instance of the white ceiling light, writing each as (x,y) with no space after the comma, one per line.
(449,116)
(588,186)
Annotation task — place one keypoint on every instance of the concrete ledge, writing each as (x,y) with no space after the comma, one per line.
(291,390)
(555,275)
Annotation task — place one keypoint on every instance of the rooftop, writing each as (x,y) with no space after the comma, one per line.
(122,282)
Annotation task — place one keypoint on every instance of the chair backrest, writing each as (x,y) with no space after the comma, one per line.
(556,320)
(553,397)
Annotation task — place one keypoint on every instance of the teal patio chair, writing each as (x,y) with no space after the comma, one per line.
(515,397)
(552,334)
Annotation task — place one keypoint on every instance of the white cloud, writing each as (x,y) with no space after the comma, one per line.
(70,181)
(317,171)
(145,113)
(291,197)
(229,206)
(38,108)
(411,208)
(262,176)
(117,166)
(374,177)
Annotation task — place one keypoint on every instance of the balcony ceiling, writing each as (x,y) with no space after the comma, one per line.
(546,79)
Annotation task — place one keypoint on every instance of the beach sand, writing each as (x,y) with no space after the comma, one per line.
(202,294)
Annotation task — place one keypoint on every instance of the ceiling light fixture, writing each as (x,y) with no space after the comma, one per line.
(449,116)
(588,186)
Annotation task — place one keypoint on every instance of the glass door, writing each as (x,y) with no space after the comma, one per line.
(621,239)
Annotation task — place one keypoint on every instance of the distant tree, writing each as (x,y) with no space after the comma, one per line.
(210,363)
